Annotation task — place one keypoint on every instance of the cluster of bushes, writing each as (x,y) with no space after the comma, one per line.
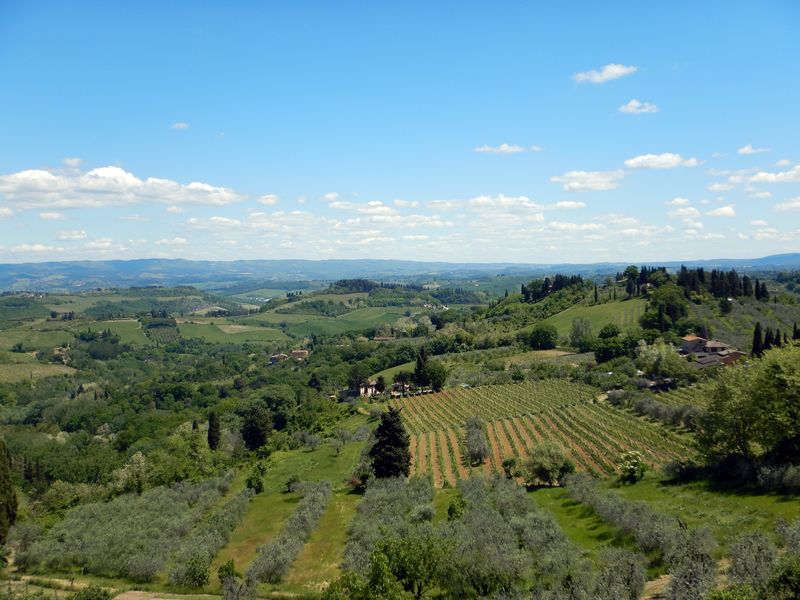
(131,536)
(686,553)
(387,503)
(687,416)
(194,557)
(276,557)
(496,543)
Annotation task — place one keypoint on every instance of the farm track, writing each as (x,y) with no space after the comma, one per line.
(435,467)
(449,473)
(463,473)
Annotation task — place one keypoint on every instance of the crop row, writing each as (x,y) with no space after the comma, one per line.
(593,435)
(696,395)
(451,408)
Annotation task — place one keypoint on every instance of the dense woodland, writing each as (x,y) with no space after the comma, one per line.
(145,428)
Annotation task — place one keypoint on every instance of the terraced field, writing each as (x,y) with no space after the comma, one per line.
(519,417)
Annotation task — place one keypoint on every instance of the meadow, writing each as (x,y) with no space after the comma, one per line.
(623,313)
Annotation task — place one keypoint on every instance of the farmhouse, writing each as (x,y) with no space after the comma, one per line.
(300,354)
(276,358)
(709,353)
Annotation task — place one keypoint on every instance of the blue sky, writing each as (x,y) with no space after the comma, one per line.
(503,131)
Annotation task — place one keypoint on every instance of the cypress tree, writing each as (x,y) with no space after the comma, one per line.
(769,339)
(421,368)
(213,430)
(8,497)
(757,290)
(764,295)
(758,342)
(795,332)
(390,455)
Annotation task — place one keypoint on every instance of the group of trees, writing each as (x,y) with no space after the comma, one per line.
(764,340)
(752,419)
(541,288)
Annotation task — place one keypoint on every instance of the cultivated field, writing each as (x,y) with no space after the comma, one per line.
(520,416)
(623,313)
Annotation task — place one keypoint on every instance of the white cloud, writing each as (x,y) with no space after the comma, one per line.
(52,216)
(71,234)
(761,195)
(750,150)
(759,223)
(99,244)
(582,181)
(722,211)
(331,197)
(566,205)
(179,125)
(269,199)
(5,212)
(136,218)
(562,226)
(33,249)
(507,149)
(175,210)
(682,213)
(72,162)
(667,160)
(635,107)
(677,202)
(783,163)
(792,175)
(793,204)
(719,187)
(104,186)
(406,203)
(178,241)
(607,73)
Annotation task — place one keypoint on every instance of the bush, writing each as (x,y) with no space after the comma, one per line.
(753,557)
(92,592)
(475,441)
(543,336)
(548,464)
(194,558)
(631,467)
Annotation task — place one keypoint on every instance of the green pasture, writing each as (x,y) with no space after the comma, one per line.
(623,313)
(226,334)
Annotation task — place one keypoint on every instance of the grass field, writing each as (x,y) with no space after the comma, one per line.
(624,313)
(128,330)
(356,320)
(230,333)
(518,417)
(22,371)
(36,336)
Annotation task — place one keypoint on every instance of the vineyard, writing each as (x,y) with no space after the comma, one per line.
(696,395)
(519,417)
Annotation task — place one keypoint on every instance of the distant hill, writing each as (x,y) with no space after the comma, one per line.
(241,274)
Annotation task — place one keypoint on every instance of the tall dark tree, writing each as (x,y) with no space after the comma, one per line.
(257,427)
(8,497)
(795,332)
(214,433)
(390,455)
(758,341)
(421,368)
(764,295)
(769,339)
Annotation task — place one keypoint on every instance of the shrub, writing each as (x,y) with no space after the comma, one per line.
(92,592)
(475,441)
(548,464)
(622,575)
(753,557)
(543,336)
(631,466)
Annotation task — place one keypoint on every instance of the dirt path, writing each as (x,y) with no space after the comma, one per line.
(435,467)
(462,470)
(448,459)
(422,454)
(497,456)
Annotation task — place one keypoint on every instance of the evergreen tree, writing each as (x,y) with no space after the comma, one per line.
(390,455)
(769,339)
(214,433)
(421,368)
(764,295)
(757,290)
(8,497)
(257,427)
(758,341)
(795,332)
